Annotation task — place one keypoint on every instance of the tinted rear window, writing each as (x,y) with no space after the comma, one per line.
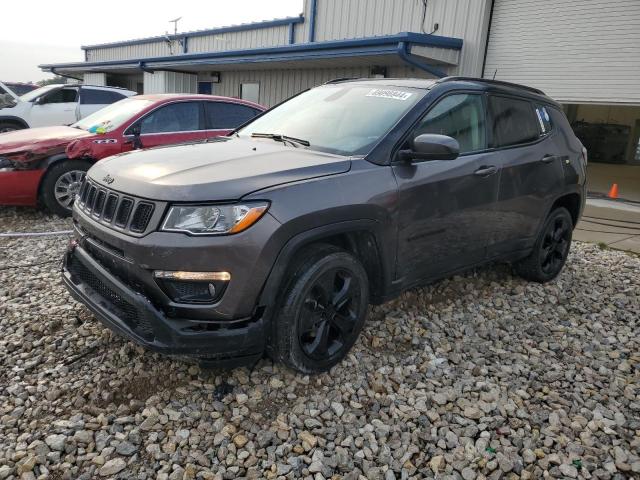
(513,121)
(223,115)
(90,96)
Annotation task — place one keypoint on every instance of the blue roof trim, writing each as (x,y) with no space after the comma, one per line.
(200,33)
(285,52)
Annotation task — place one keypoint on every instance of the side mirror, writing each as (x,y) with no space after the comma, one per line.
(431,146)
(39,101)
(137,142)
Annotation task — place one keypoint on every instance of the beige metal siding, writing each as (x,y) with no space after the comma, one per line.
(466,19)
(170,82)
(126,52)
(263,37)
(91,78)
(577,51)
(278,85)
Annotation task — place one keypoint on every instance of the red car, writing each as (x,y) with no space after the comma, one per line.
(46,165)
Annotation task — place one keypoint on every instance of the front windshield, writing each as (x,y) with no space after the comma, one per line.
(111,117)
(33,94)
(346,119)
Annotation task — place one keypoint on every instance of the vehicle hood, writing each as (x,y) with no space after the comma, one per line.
(33,143)
(222,170)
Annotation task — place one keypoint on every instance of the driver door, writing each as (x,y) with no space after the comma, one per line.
(447,207)
(174,123)
(59,107)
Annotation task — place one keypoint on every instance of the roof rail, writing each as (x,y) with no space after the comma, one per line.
(491,82)
(104,86)
(339,80)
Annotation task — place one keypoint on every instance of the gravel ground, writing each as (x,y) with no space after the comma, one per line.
(481,375)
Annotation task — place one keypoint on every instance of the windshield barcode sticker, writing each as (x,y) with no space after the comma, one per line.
(393,94)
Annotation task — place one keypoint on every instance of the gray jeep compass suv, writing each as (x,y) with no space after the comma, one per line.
(277,238)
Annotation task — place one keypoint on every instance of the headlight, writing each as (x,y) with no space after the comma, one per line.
(213,219)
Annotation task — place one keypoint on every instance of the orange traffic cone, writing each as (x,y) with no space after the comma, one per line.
(613,193)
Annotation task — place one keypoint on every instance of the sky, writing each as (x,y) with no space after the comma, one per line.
(52,32)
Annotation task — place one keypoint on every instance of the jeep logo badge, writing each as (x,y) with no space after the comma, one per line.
(108,179)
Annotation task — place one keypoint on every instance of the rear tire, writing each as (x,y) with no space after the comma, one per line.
(61,184)
(10,127)
(551,249)
(322,310)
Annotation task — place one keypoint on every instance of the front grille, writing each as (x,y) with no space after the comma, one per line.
(124,210)
(99,205)
(115,209)
(110,207)
(125,310)
(141,217)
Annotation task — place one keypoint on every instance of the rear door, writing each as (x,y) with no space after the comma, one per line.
(446,207)
(59,107)
(532,174)
(223,117)
(169,124)
(93,99)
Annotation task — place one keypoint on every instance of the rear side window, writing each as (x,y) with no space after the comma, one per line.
(461,116)
(513,121)
(176,117)
(90,96)
(223,115)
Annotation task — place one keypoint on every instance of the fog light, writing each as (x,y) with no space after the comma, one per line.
(193,287)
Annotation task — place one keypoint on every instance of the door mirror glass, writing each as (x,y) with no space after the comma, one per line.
(135,131)
(431,146)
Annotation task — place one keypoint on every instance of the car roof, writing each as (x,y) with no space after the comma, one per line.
(472,83)
(167,97)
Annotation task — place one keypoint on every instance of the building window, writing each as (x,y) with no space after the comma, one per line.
(250,92)
(205,88)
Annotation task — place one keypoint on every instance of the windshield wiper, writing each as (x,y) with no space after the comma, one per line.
(282,138)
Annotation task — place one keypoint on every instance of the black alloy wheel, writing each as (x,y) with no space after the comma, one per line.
(551,249)
(330,316)
(322,309)
(555,245)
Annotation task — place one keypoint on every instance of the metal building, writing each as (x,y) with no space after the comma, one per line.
(269,61)
(584,53)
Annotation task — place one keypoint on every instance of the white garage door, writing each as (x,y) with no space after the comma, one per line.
(577,51)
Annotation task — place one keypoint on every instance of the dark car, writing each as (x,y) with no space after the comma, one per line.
(276,239)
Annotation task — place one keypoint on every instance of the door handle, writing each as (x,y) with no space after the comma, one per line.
(485,171)
(550,158)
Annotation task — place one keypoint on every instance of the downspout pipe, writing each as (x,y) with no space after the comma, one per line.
(53,70)
(405,56)
(142,66)
(312,21)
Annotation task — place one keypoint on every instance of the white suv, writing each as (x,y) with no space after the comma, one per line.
(55,105)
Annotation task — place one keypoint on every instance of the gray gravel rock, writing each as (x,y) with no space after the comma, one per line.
(481,375)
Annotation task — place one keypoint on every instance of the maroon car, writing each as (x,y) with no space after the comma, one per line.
(46,165)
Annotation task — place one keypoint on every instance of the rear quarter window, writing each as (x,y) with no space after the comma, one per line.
(544,119)
(226,115)
(90,96)
(513,121)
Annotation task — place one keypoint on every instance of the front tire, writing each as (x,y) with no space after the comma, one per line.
(549,254)
(322,310)
(10,127)
(61,184)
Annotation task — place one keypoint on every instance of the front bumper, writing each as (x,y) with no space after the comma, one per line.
(20,187)
(130,313)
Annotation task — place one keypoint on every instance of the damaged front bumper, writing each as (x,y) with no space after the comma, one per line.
(133,315)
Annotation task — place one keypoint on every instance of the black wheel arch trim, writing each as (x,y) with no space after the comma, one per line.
(270,290)
(11,118)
